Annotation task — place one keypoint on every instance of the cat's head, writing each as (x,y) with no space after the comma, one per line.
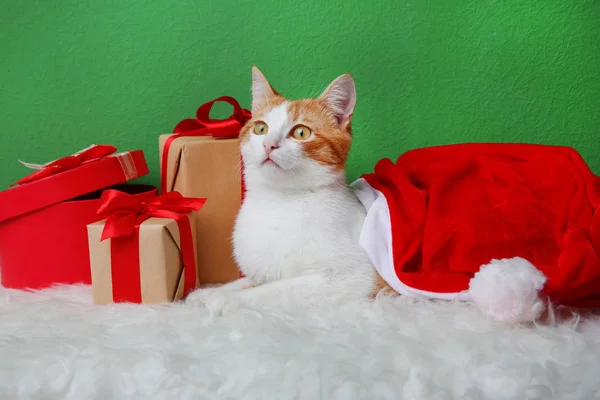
(298,143)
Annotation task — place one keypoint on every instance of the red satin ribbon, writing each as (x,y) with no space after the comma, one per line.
(94,152)
(124,214)
(203,125)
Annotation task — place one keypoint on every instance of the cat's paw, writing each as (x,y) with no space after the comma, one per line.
(508,290)
(200,297)
(214,300)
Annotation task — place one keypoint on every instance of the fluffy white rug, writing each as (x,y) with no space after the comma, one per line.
(55,344)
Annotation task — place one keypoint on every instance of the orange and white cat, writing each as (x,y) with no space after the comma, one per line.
(297,232)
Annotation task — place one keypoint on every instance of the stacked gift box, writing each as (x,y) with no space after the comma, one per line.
(83,219)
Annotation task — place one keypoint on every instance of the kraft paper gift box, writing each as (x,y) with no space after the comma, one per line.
(43,217)
(202,159)
(143,253)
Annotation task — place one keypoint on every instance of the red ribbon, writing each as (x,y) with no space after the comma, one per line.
(124,214)
(92,153)
(203,125)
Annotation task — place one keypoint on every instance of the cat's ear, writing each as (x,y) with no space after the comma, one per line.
(262,91)
(340,97)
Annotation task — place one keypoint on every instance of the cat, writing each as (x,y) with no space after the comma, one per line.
(297,232)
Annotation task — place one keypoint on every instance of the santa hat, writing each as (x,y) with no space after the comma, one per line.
(439,214)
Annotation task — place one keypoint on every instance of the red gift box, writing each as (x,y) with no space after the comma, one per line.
(43,220)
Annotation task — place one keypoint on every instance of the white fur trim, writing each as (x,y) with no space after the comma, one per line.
(376,239)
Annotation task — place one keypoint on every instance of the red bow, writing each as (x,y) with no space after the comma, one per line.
(125,211)
(124,215)
(203,125)
(92,153)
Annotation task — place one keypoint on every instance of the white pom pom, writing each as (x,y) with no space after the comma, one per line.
(508,290)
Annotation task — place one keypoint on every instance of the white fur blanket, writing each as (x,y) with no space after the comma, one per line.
(55,344)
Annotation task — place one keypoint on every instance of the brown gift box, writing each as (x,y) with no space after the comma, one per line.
(205,167)
(161,263)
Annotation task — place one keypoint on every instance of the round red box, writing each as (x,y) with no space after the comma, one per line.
(43,233)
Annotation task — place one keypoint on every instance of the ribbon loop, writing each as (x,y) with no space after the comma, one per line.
(91,153)
(203,125)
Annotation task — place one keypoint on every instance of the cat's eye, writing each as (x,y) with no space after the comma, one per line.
(301,132)
(261,128)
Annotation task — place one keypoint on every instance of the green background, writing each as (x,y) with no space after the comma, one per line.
(427,72)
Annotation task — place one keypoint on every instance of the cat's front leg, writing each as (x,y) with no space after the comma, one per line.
(238,284)
(304,290)
(200,297)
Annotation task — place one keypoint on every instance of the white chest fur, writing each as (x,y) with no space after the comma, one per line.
(285,234)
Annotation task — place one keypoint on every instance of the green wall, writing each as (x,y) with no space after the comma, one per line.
(428,71)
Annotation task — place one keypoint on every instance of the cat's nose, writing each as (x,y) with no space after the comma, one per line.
(269,148)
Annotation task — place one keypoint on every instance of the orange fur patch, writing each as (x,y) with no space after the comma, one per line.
(382,285)
(331,143)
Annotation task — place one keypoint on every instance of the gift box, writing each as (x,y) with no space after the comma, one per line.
(144,251)
(43,217)
(202,159)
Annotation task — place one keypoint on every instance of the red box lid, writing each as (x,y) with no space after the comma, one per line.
(91,169)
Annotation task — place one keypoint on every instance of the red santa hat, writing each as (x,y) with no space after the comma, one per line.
(439,214)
